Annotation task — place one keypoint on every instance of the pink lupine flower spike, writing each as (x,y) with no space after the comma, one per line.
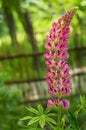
(56,55)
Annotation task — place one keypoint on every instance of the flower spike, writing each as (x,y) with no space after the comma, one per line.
(56,55)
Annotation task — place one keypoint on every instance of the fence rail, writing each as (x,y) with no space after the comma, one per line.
(36,80)
(10,57)
(45,99)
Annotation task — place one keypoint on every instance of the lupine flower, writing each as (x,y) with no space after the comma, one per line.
(56,55)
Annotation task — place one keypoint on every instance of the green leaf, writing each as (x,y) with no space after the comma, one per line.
(83,100)
(51,114)
(58,129)
(33,110)
(47,110)
(73,121)
(33,120)
(40,108)
(38,129)
(84,110)
(49,119)
(76,114)
(69,129)
(26,118)
(42,121)
(30,128)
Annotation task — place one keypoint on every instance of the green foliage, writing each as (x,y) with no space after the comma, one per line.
(40,116)
(74,115)
(83,101)
(73,121)
(69,129)
(81,106)
(9,108)
(43,13)
(31,109)
(40,109)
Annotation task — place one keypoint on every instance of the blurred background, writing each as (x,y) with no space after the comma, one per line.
(23,27)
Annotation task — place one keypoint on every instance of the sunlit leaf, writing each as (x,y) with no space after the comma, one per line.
(42,121)
(40,108)
(26,118)
(51,114)
(47,110)
(33,110)
(33,120)
(49,119)
(83,100)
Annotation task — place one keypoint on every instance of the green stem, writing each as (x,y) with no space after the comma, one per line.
(59,112)
(59,117)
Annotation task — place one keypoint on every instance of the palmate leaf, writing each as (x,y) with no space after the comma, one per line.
(47,110)
(33,110)
(51,114)
(83,100)
(26,118)
(40,108)
(33,120)
(73,121)
(39,116)
(42,121)
(49,119)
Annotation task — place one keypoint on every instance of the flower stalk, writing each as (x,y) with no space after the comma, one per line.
(59,118)
(56,57)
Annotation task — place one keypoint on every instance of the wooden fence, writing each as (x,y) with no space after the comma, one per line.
(18,56)
(78,73)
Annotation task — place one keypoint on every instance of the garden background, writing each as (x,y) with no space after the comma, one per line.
(23,28)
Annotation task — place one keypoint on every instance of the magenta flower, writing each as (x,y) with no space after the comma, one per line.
(56,55)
